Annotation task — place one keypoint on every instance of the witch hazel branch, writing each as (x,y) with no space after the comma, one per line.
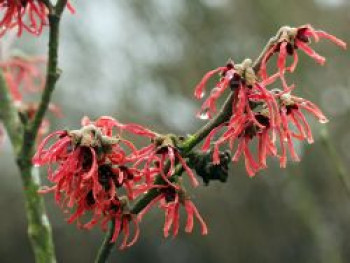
(106,186)
(99,177)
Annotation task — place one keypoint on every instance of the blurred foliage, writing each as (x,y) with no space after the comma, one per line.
(139,62)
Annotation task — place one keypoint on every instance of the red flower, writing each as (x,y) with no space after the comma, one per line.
(17,12)
(290,40)
(122,221)
(244,129)
(23,73)
(245,123)
(87,162)
(154,159)
(91,169)
(170,199)
(117,211)
(238,77)
(228,74)
(290,108)
(259,112)
(29,15)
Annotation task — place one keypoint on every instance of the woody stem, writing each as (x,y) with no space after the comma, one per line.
(23,137)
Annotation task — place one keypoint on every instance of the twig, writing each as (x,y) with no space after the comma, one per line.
(339,166)
(106,246)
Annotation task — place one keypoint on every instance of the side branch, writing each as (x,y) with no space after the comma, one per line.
(186,147)
(222,117)
(106,246)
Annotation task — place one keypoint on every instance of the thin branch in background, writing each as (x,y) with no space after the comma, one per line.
(335,159)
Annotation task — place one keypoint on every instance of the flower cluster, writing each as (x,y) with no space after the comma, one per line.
(170,199)
(22,75)
(259,112)
(28,15)
(100,176)
(97,171)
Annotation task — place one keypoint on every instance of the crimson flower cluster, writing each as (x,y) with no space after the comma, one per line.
(97,173)
(274,116)
(23,75)
(28,15)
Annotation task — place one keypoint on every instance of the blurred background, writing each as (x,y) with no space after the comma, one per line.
(139,61)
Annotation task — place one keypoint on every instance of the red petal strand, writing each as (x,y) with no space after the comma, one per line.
(171,156)
(200,219)
(310,52)
(313,109)
(70,8)
(335,40)
(188,170)
(117,228)
(169,217)
(138,130)
(297,125)
(189,221)
(37,159)
(148,207)
(268,81)
(126,230)
(45,189)
(284,82)
(251,165)
(271,147)
(293,154)
(287,135)
(283,156)
(239,150)
(310,31)
(293,66)
(162,174)
(262,149)
(199,90)
(176,220)
(269,53)
(216,154)
(92,222)
(137,233)
(213,132)
(281,62)
(306,126)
